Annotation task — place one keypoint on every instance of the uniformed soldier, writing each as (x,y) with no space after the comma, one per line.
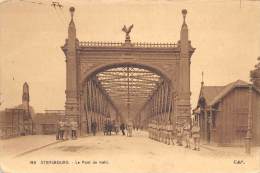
(74,128)
(149,130)
(67,127)
(164,132)
(61,129)
(160,132)
(152,130)
(179,131)
(186,134)
(116,127)
(157,131)
(129,128)
(172,133)
(168,133)
(196,136)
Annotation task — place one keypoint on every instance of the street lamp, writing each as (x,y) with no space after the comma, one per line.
(248,138)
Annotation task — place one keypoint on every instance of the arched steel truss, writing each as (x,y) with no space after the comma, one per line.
(128,92)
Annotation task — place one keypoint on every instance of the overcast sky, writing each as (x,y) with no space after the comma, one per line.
(226,38)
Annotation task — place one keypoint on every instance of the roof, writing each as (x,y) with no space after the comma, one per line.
(227,89)
(212,94)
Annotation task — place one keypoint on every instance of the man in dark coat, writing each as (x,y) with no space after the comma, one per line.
(94,127)
(122,128)
(110,127)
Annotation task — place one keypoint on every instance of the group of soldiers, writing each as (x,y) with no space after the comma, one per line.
(166,133)
(65,129)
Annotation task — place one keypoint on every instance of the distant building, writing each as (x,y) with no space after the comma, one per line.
(22,120)
(46,123)
(17,121)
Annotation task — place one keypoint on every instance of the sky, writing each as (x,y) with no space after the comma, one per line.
(226,38)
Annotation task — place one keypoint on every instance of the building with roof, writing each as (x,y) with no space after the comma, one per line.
(17,121)
(46,123)
(227,113)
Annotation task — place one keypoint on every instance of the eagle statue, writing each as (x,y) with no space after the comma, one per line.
(127,31)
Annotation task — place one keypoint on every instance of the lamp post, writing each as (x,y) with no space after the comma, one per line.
(248,138)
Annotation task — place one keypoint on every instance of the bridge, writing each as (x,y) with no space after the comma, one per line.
(127,81)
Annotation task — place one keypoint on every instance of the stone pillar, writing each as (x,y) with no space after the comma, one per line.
(72,100)
(184,93)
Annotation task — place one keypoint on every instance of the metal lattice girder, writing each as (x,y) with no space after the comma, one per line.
(134,90)
(129,85)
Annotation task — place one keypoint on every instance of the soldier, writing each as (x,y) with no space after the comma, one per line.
(61,129)
(152,130)
(74,127)
(149,130)
(129,129)
(67,129)
(57,130)
(179,131)
(172,132)
(166,132)
(186,134)
(158,131)
(116,127)
(196,136)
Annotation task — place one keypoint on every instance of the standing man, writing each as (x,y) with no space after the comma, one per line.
(116,127)
(196,136)
(168,133)
(74,127)
(122,128)
(94,127)
(179,131)
(186,134)
(67,127)
(61,129)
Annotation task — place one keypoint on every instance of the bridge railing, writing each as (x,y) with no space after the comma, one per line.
(120,44)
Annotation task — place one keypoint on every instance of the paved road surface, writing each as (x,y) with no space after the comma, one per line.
(124,154)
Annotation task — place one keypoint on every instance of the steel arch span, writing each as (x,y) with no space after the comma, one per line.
(99,73)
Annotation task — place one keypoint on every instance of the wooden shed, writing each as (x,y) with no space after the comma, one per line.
(225,112)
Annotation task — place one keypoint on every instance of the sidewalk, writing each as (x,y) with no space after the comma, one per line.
(228,151)
(12,147)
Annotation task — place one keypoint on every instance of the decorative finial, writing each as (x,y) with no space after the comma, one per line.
(184,13)
(202,78)
(72,10)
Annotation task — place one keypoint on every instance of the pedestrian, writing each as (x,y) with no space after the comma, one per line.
(94,127)
(122,128)
(129,129)
(172,132)
(110,127)
(74,128)
(186,134)
(179,131)
(61,130)
(67,127)
(196,136)
(116,127)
